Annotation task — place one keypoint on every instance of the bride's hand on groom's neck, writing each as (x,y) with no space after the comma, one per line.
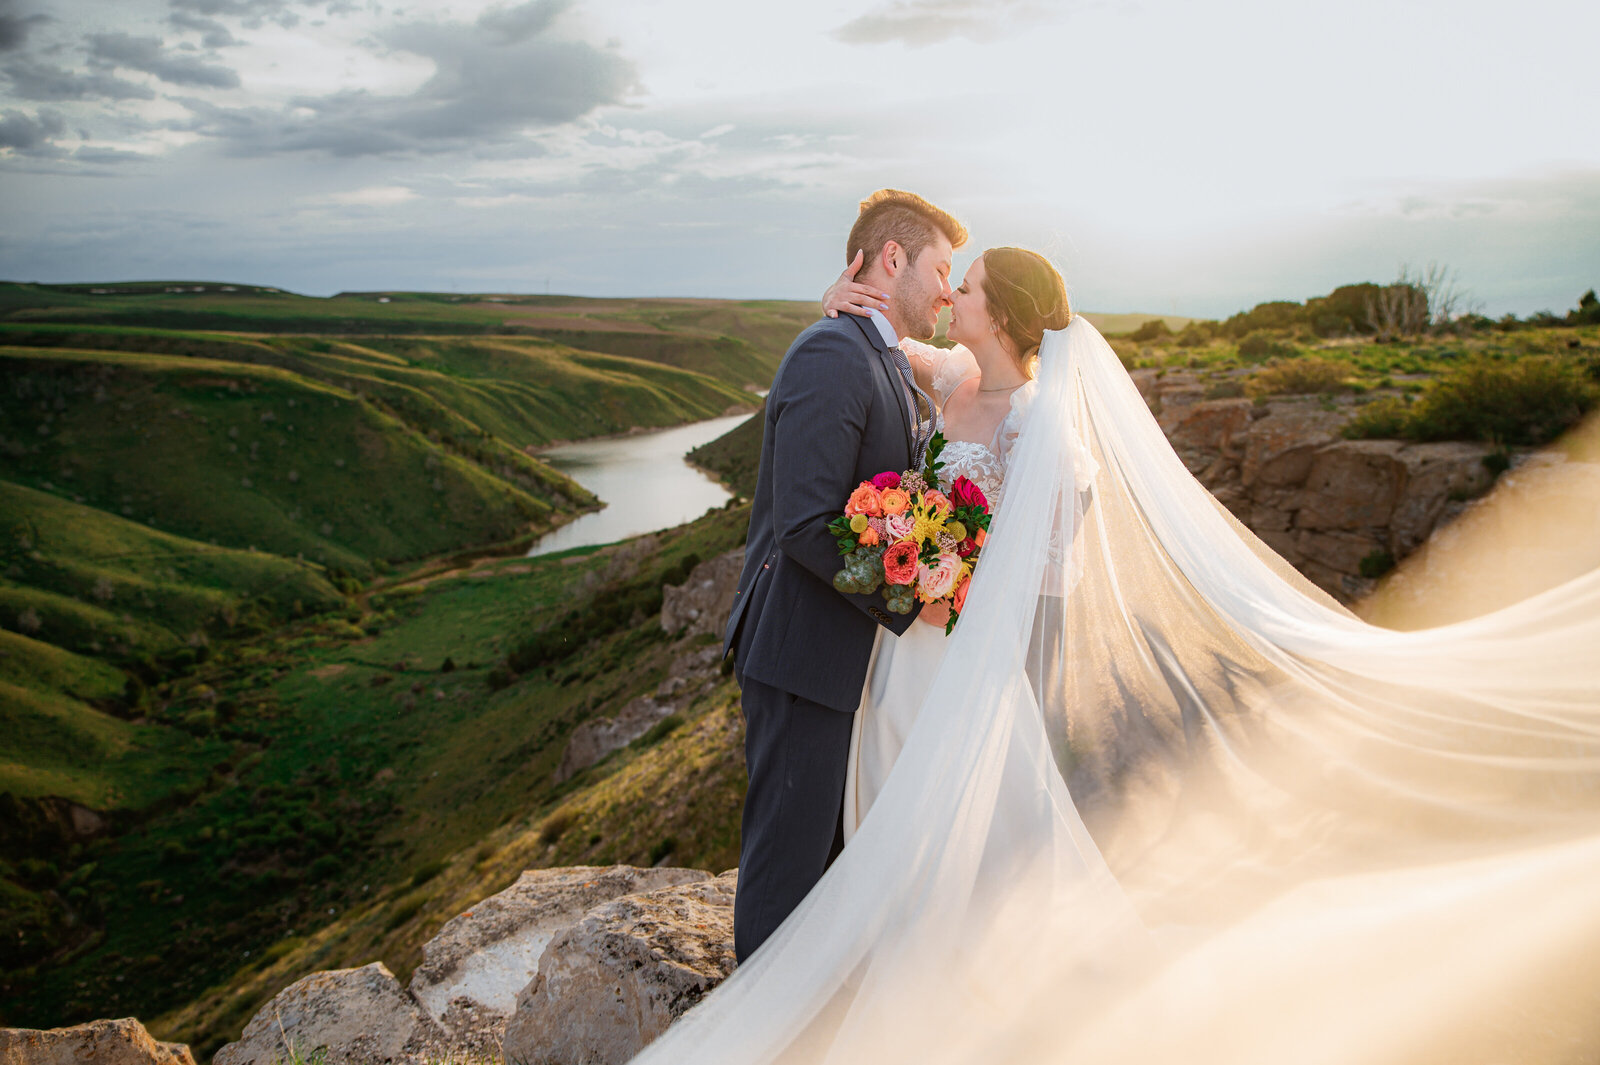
(848,295)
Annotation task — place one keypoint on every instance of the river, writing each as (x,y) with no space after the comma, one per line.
(644,480)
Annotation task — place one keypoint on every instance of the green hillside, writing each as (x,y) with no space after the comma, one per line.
(252,457)
(368,757)
(736,341)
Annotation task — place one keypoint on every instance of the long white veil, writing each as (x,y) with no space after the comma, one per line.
(1307,838)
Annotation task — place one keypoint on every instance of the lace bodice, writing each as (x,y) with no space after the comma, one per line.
(984,464)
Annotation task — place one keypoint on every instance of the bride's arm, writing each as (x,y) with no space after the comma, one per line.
(939,371)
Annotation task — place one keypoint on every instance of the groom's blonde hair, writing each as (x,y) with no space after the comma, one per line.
(903,217)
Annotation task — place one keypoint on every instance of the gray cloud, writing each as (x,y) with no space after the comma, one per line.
(516,24)
(23,132)
(147,54)
(213,34)
(491,80)
(14,27)
(922,22)
(33,79)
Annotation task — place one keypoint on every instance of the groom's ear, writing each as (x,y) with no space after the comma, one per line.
(892,257)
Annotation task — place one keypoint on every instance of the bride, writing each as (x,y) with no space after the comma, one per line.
(1158,798)
(981,389)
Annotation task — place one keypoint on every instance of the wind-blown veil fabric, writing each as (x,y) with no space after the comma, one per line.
(1307,838)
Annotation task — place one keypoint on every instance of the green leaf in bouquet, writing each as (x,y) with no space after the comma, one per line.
(933,464)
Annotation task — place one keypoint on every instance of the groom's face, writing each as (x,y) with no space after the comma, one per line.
(922,288)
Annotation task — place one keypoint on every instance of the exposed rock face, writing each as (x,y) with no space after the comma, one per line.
(354,1015)
(621,975)
(1331,507)
(698,607)
(119,1042)
(701,604)
(596,738)
(482,958)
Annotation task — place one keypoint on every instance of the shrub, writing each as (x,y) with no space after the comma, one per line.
(1227,388)
(1303,375)
(1382,419)
(663,849)
(1261,346)
(428,872)
(555,826)
(1376,564)
(659,731)
(1154,329)
(1528,402)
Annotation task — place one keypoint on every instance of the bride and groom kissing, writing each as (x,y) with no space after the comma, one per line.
(832,681)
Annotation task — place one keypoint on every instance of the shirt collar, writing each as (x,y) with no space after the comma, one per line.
(885,330)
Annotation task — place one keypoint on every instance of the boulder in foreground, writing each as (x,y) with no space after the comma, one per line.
(616,979)
(118,1042)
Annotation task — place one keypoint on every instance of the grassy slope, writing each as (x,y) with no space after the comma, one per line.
(104,585)
(249,456)
(350,740)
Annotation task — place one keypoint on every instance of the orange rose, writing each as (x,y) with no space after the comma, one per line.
(900,562)
(864,500)
(983,534)
(935,498)
(895,500)
(958,601)
(868,537)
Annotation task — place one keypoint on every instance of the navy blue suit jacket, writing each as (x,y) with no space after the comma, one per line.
(836,416)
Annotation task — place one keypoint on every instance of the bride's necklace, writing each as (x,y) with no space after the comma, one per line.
(1007,388)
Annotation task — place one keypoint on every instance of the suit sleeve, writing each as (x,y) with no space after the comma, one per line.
(818,423)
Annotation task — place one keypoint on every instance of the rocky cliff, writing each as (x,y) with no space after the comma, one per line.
(1341,511)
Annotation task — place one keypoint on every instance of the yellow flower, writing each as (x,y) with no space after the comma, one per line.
(928,522)
(859,523)
(956,529)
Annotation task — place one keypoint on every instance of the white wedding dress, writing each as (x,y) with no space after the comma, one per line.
(1163,800)
(903,667)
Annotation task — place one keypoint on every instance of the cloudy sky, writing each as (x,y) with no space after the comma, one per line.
(1178,156)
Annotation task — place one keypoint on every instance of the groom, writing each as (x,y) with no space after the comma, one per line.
(843,407)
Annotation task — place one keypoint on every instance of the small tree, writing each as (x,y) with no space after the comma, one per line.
(1588,312)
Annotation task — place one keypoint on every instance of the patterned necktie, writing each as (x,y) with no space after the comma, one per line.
(920,405)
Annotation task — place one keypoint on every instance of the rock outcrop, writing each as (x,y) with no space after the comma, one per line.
(1339,510)
(700,605)
(350,1015)
(697,607)
(118,1042)
(586,956)
(481,959)
(615,980)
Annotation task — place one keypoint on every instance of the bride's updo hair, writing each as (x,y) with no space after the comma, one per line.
(1026,296)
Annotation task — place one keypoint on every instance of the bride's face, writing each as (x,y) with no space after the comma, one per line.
(969,310)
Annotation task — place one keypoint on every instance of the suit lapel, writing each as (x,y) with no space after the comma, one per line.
(897,387)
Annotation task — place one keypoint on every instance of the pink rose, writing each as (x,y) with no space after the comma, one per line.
(967,494)
(899,526)
(886,479)
(938,579)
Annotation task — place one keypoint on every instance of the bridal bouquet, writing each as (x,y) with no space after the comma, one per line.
(902,535)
